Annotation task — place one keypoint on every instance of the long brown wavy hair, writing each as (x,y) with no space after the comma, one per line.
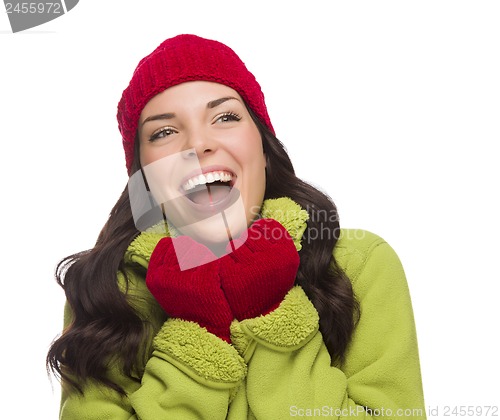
(105,327)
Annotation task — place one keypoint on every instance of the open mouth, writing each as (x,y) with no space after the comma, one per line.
(209,188)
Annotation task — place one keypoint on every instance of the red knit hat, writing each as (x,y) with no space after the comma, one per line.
(182,59)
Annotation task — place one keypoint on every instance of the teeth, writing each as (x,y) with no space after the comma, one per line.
(207,178)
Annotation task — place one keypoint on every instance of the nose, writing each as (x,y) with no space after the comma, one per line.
(199,144)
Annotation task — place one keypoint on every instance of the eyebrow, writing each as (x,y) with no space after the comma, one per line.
(170,115)
(167,116)
(217,102)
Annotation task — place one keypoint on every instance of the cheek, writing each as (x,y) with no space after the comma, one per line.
(149,154)
(253,153)
(146,155)
(249,146)
(254,168)
(253,163)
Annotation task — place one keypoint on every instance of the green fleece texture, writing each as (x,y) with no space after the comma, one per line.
(192,348)
(286,328)
(289,214)
(277,366)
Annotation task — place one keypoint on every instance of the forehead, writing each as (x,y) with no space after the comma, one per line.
(189,94)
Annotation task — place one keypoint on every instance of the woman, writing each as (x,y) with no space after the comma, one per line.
(238,295)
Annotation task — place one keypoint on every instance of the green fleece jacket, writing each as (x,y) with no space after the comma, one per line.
(277,366)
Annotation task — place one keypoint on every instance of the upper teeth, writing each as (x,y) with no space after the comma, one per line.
(207,178)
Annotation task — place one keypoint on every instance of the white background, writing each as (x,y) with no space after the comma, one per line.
(391,107)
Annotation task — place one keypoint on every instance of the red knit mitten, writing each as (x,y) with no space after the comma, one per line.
(259,273)
(194,294)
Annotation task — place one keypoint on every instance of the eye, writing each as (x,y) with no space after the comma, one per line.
(162,133)
(227,117)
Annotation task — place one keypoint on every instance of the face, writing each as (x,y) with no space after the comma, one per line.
(203,158)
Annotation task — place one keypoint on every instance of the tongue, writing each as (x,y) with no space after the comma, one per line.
(210,195)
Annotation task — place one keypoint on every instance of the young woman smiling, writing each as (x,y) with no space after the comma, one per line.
(241,297)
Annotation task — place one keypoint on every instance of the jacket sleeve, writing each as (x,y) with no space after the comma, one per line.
(289,372)
(191,374)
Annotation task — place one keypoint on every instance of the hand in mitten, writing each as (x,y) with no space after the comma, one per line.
(194,294)
(258,274)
